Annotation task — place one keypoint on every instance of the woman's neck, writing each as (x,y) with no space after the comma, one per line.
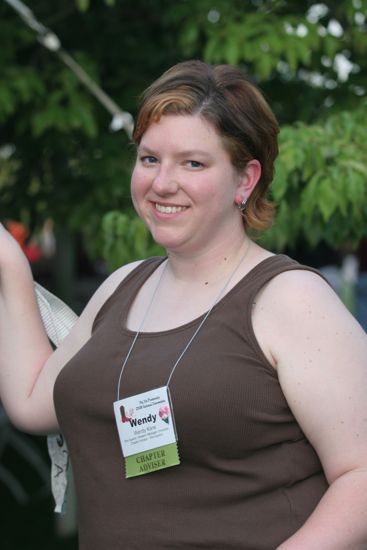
(210,265)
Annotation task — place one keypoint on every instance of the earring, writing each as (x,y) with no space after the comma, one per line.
(242,205)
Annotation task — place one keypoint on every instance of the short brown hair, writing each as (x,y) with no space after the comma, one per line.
(224,96)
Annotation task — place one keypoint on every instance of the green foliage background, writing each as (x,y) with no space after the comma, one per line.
(59,159)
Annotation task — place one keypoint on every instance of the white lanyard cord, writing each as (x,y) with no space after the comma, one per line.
(218,297)
(216,300)
(139,330)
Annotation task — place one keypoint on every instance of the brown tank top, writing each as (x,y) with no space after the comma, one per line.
(248,477)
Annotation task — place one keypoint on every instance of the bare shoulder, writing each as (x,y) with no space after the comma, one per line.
(294,280)
(298,311)
(299,292)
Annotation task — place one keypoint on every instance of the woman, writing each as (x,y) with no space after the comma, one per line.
(265,367)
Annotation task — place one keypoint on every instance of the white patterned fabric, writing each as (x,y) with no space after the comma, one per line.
(58,319)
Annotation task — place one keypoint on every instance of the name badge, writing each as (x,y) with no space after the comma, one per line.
(147,432)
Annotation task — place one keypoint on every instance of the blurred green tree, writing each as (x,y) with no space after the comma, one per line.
(62,161)
(310,59)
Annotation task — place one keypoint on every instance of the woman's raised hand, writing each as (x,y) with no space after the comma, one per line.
(11,254)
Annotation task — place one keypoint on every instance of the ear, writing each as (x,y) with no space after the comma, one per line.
(248,180)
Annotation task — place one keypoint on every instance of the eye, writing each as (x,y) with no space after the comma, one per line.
(148,160)
(195,164)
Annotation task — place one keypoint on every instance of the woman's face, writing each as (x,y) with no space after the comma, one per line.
(184,185)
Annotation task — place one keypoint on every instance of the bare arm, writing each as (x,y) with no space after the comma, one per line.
(320,353)
(28,365)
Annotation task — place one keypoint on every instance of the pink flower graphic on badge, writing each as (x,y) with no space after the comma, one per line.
(164,413)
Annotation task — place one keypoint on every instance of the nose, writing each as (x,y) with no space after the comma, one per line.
(165,182)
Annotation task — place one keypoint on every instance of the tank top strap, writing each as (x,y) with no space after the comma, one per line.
(126,291)
(137,277)
(269,268)
(260,275)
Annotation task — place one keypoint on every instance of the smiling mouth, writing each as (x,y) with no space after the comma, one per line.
(169,209)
